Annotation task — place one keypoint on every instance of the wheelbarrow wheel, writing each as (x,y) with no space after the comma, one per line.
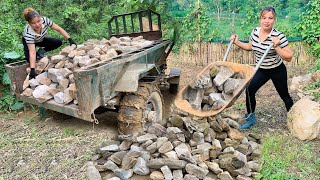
(138,110)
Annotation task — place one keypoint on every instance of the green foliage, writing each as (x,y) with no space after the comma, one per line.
(314,89)
(310,27)
(69,132)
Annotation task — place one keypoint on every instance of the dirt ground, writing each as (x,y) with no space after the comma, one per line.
(59,147)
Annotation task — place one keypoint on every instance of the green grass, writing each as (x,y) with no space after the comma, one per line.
(285,157)
(240,106)
(69,132)
(314,86)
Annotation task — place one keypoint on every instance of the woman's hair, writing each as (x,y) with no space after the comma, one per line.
(29,14)
(268,9)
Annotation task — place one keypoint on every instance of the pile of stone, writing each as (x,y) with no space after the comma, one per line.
(186,148)
(213,89)
(56,79)
(299,84)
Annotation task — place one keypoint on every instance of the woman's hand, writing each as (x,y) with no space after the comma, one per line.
(235,38)
(276,41)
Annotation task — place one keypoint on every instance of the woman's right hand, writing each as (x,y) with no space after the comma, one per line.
(235,38)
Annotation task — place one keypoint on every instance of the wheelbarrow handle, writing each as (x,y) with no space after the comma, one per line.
(264,56)
(228,50)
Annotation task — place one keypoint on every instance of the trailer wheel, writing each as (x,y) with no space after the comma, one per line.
(138,110)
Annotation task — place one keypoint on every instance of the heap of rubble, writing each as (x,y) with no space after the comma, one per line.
(213,89)
(186,148)
(56,79)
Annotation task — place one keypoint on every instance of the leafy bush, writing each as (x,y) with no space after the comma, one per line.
(310,28)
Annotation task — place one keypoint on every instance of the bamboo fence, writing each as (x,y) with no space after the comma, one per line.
(205,53)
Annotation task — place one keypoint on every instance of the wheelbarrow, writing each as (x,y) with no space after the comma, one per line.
(246,70)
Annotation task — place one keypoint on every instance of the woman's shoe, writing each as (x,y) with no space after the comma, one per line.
(251,120)
(40,53)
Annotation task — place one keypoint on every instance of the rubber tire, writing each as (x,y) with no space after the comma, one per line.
(133,107)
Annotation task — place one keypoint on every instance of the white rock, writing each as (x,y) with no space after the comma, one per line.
(39,91)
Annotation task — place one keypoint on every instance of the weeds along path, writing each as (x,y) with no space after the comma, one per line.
(55,148)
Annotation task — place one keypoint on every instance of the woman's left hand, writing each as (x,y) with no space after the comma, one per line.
(276,41)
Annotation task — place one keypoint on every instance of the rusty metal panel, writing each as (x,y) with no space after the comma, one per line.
(87,84)
(17,74)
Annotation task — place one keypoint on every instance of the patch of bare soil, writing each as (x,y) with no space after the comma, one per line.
(58,148)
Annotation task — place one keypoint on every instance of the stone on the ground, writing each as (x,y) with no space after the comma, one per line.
(171,163)
(123,174)
(225,176)
(112,147)
(214,167)
(130,159)
(156,175)
(304,119)
(140,167)
(167,173)
(166,147)
(93,173)
(196,171)
(111,165)
(157,129)
(146,137)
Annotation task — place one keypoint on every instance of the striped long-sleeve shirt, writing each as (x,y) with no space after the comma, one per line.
(32,37)
(272,59)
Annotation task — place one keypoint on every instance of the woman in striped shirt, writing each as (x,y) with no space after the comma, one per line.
(272,67)
(35,35)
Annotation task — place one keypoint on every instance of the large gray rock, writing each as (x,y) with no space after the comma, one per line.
(166,147)
(304,119)
(225,176)
(156,175)
(141,167)
(171,163)
(130,159)
(146,137)
(195,97)
(196,171)
(111,165)
(231,85)
(201,82)
(59,97)
(167,173)
(93,173)
(177,174)
(39,91)
(56,58)
(214,167)
(123,174)
(224,74)
(183,152)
